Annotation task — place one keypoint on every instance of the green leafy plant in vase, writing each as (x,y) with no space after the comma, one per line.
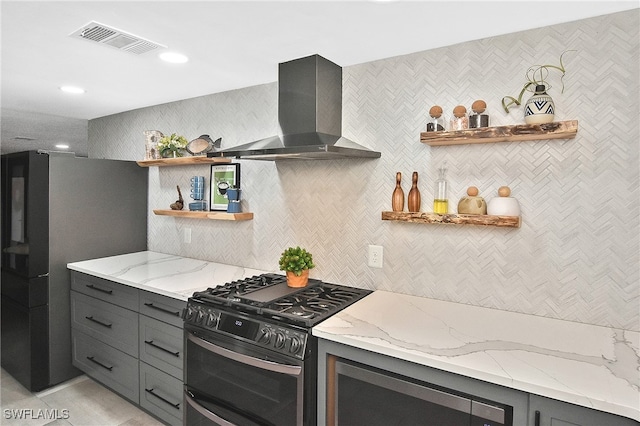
(540,108)
(172,146)
(296,262)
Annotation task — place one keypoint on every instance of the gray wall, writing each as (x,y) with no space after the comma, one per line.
(576,255)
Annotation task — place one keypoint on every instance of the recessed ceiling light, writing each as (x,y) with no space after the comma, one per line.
(62,146)
(173,57)
(72,89)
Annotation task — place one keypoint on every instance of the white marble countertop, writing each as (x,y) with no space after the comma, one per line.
(173,276)
(591,366)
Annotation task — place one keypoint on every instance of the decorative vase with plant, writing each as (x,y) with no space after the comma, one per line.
(540,108)
(296,262)
(172,146)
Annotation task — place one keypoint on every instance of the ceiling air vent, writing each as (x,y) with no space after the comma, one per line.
(103,34)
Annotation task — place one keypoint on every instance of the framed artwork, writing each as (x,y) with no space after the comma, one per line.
(223,177)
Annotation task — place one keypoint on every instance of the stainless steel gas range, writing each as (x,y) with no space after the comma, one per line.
(250,358)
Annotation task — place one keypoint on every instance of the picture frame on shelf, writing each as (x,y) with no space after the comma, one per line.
(223,177)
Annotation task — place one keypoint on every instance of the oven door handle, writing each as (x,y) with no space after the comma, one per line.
(292,370)
(206,413)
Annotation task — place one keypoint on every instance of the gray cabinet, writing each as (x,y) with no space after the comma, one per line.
(104,342)
(106,322)
(130,340)
(115,369)
(161,345)
(163,308)
(550,412)
(161,394)
(161,356)
(109,291)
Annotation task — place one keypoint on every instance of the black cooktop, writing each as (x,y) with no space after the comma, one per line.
(268,295)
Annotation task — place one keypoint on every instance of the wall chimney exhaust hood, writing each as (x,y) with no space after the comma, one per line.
(310,117)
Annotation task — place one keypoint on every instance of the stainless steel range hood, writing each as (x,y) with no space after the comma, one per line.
(310,116)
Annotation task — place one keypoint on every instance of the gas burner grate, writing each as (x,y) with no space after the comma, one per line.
(303,307)
(235,290)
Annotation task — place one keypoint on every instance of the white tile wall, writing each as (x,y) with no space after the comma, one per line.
(576,256)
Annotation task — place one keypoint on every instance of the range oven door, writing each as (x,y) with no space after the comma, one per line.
(230,382)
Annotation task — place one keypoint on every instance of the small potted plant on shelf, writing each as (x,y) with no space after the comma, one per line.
(540,108)
(172,146)
(296,262)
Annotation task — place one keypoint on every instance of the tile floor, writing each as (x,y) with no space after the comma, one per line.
(77,402)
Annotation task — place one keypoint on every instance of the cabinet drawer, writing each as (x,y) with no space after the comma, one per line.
(111,324)
(552,412)
(107,365)
(161,394)
(161,307)
(112,292)
(161,345)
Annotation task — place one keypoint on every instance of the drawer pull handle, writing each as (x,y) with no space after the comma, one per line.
(92,359)
(158,308)
(102,290)
(176,406)
(104,324)
(150,343)
(537,418)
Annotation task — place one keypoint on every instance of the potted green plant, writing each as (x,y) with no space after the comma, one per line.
(540,108)
(172,146)
(296,262)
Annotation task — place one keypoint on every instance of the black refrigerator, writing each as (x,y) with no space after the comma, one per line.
(56,209)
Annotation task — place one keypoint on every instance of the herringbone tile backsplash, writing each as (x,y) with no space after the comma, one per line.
(576,256)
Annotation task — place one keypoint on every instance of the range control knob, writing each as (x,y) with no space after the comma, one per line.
(280,340)
(296,345)
(188,314)
(265,335)
(200,317)
(212,321)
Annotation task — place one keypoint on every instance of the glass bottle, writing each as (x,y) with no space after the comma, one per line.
(440,200)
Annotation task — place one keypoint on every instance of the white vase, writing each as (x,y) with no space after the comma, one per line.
(540,108)
(503,206)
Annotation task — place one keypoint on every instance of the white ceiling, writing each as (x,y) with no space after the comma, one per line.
(231,44)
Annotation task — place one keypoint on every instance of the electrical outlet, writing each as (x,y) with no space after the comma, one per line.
(187,235)
(375,256)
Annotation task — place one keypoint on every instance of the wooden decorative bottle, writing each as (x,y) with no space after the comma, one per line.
(413,201)
(397,199)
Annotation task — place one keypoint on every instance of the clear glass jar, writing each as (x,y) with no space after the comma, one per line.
(460,119)
(436,122)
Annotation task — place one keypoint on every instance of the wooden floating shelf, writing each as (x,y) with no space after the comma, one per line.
(183,161)
(205,214)
(455,219)
(517,133)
